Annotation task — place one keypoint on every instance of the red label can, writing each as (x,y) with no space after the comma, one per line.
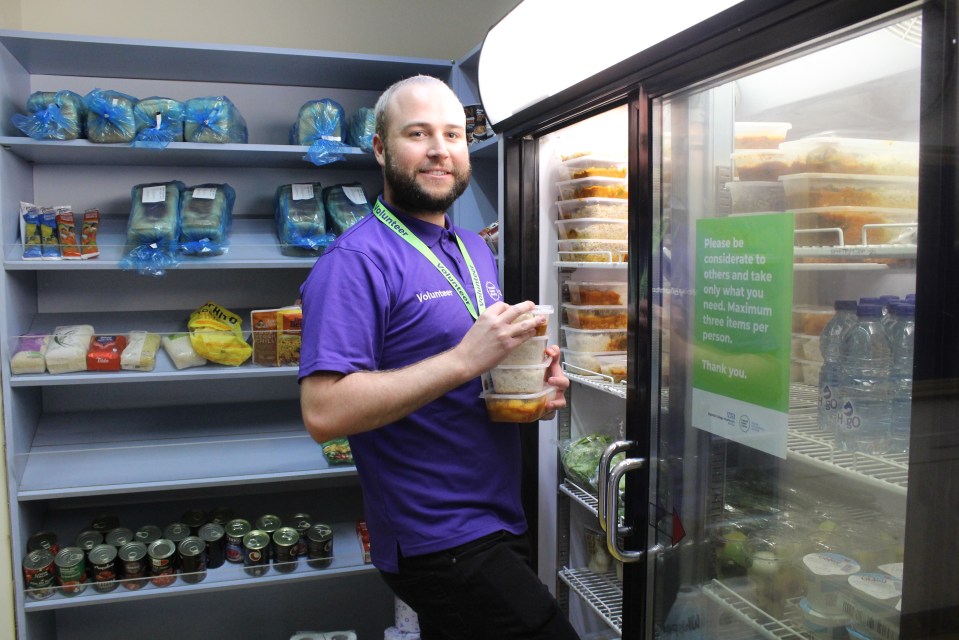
(162,554)
(39,573)
(103,571)
(133,564)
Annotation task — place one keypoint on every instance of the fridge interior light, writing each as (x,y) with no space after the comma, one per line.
(544,46)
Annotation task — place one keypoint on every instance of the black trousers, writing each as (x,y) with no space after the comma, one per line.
(482,590)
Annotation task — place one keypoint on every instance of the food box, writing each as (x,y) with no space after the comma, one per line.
(598,187)
(597,292)
(595,339)
(808,190)
(592,228)
(872,603)
(845,225)
(829,154)
(592,250)
(592,166)
(518,407)
(530,352)
(759,165)
(518,378)
(538,310)
(596,316)
(614,208)
(826,578)
(759,135)
(585,362)
(757,197)
(810,319)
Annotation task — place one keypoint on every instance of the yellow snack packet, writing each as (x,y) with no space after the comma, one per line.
(216,334)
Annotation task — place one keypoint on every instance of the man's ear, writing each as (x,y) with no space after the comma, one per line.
(379,149)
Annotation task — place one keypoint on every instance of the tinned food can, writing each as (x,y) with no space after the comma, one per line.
(103,567)
(148,533)
(320,538)
(118,537)
(269,523)
(132,558)
(87,540)
(71,570)
(256,552)
(302,523)
(44,540)
(235,530)
(104,523)
(221,516)
(194,518)
(214,536)
(162,555)
(39,574)
(286,541)
(192,552)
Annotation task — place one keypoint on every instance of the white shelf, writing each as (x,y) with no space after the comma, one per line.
(596,381)
(615,266)
(790,626)
(177,154)
(170,447)
(347,560)
(253,244)
(602,592)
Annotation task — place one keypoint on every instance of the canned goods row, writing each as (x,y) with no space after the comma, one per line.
(110,555)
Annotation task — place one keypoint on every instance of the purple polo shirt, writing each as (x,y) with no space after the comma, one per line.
(445,474)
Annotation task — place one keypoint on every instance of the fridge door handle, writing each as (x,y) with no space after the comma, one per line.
(603,478)
(612,515)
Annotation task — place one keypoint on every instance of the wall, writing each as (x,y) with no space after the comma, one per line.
(413,28)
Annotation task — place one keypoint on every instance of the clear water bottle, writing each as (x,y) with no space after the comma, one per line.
(864,399)
(830,343)
(888,317)
(902,339)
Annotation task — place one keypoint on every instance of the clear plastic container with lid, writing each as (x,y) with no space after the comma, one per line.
(809,190)
(586,362)
(592,228)
(872,602)
(593,250)
(597,292)
(518,407)
(518,378)
(591,166)
(756,196)
(842,225)
(595,339)
(826,577)
(596,316)
(598,187)
(758,165)
(611,208)
(833,154)
(759,135)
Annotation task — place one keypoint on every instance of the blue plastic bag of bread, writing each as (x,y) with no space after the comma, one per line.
(361,130)
(214,120)
(345,204)
(320,126)
(301,220)
(53,115)
(110,116)
(159,121)
(206,215)
(153,228)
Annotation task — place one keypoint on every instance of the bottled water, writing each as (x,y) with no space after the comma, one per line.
(864,399)
(888,317)
(830,343)
(901,376)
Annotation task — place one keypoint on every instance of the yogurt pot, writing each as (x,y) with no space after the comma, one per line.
(873,603)
(823,626)
(826,578)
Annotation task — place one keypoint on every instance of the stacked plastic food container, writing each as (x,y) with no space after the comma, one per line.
(592,228)
(516,389)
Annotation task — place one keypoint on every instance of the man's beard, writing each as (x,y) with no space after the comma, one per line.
(409,196)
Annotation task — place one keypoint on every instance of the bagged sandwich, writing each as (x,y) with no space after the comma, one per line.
(301,219)
(213,120)
(53,115)
(110,116)
(346,204)
(206,215)
(159,121)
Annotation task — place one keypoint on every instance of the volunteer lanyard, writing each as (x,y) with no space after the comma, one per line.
(391,221)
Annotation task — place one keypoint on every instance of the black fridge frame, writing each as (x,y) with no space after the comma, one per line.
(736,38)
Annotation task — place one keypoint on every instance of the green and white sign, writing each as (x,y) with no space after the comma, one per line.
(743,327)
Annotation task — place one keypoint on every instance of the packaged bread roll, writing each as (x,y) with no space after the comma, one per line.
(67,351)
(140,352)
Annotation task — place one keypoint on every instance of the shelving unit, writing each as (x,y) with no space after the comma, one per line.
(147,446)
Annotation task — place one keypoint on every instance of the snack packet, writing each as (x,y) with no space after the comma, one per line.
(216,334)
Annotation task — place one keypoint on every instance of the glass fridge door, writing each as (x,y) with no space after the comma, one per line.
(783,435)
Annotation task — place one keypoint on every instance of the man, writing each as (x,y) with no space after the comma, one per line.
(401,316)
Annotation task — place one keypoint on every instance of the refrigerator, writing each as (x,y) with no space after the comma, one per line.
(694,212)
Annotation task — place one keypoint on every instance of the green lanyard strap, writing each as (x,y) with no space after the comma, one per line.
(391,221)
